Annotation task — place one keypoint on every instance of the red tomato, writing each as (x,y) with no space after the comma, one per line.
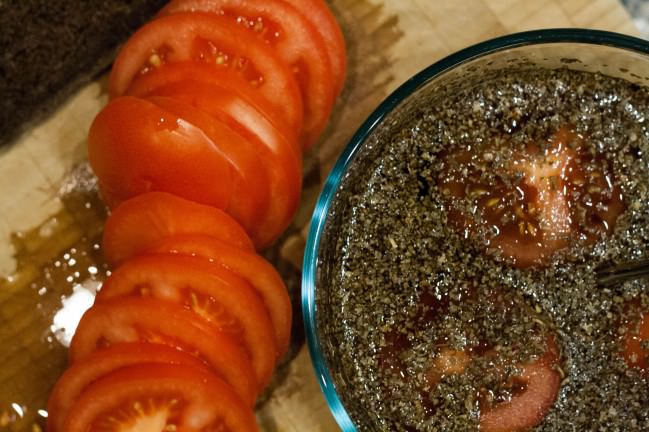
(208,289)
(141,221)
(250,266)
(135,319)
(133,148)
(205,37)
(527,409)
(635,355)
(249,198)
(296,41)
(133,142)
(187,71)
(160,397)
(99,364)
(325,23)
(283,166)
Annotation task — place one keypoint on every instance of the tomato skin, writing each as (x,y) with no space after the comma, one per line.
(141,221)
(318,12)
(278,160)
(133,142)
(150,320)
(207,402)
(209,74)
(251,267)
(99,364)
(177,34)
(447,362)
(296,42)
(528,409)
(180,279)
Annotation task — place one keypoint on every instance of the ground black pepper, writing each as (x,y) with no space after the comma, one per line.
(403,284)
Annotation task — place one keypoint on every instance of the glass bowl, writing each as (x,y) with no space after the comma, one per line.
(608,53)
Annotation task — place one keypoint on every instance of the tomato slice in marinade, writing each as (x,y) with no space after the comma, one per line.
(530,201)
(534,391)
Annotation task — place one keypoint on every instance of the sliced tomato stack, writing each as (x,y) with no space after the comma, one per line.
(199,156)
(229,93)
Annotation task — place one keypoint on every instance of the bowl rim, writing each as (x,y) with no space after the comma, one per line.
(321,210)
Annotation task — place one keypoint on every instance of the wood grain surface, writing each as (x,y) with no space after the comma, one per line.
(387,43)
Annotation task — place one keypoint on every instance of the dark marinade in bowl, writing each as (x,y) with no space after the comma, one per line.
(426,320)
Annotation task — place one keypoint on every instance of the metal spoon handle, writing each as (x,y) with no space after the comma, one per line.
(622,272)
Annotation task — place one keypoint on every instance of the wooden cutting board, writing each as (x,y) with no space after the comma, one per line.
(387,43)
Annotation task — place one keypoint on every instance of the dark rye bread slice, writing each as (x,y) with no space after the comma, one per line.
(50,48)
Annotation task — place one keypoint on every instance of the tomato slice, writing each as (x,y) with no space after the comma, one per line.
(636,353)
(156,321)
(141,221)
(543,199)
(249,198)
(207,73)
(100,363)
(296,41)
(527,409)
(283,166)
(133,142)
(209,38)
(210,290)
(160,397)
(325,23)
(250,266)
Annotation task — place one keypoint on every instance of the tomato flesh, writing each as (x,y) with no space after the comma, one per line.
(151,320)
(208,38)
(294,39)
(159,397)
(323,20)
(277,158)
(141,221)
(208,289)
(251,267)
(100,363)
